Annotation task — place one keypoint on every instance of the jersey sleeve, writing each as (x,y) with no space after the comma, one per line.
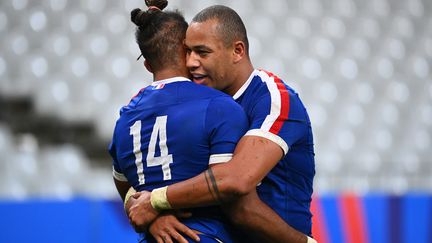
(117,172)
(279,118)
(226,123)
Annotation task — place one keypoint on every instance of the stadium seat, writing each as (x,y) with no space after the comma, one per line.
(362,68)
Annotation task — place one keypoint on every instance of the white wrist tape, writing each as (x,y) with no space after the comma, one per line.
(159,200)
(129,194)
(311,240)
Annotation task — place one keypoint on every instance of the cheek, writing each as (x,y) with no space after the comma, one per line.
(223,69)
(211,67)
(220,79)
(216,68)
(218,71)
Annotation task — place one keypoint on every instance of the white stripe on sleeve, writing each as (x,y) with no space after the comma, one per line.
(119,176)
(270,136)
(219,158)
(275,97)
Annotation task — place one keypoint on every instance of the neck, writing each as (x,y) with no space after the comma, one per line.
(170,73)
(242,72)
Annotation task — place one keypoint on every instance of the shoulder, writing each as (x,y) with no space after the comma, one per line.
(195,91)
(266,85)
(204,90)
(133,102)
(272,83)
(225,109)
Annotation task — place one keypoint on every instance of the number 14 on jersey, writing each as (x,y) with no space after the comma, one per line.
(159,130)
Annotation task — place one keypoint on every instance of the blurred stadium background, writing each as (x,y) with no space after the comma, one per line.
(362,68)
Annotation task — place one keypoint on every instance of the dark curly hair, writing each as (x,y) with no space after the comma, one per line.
(159,34)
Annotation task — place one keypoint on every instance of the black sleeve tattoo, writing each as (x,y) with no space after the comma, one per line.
(214,190)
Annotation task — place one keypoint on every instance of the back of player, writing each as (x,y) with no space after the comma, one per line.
(171,131)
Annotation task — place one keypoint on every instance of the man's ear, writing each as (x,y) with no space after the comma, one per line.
(147,66)
(239,51)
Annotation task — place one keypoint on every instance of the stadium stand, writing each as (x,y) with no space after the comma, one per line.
(363,69)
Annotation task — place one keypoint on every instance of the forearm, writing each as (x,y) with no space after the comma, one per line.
(253,216)
(253,158)
(214,186)
(122,188)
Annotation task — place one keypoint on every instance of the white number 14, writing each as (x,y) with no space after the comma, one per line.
(159,130)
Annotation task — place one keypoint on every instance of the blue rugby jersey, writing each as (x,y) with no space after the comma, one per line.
(275,112)
(171,131)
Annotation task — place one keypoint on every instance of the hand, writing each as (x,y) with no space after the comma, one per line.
(167,227)
(140,211)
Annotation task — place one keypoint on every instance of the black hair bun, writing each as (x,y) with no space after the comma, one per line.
(137,16)
(140,18)
(161,4)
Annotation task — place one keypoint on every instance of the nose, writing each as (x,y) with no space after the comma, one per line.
(192,61)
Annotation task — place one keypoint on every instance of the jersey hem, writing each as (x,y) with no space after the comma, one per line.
(219,158)
(119,176)
(270,136)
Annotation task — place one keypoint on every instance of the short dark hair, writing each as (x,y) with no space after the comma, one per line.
(159,34)
(231,26)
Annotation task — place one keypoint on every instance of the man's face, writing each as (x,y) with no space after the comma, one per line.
(208,59)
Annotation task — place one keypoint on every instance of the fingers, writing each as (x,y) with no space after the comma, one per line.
(165,238)
(178,237)
(158,239)
(166,233)
(136,195)
(130,202)
(185,230)
(167,228)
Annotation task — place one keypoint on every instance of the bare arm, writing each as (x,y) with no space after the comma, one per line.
(251,215)
(233,182)
(122,187)
(253,158)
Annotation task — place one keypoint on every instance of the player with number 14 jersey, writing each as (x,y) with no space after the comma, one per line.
(171,131)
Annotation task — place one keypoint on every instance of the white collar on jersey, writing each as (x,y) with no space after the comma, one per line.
(246,84)
(170,80)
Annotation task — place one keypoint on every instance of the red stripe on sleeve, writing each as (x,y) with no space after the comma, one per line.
(353,221)
(133,97)
(285,104)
